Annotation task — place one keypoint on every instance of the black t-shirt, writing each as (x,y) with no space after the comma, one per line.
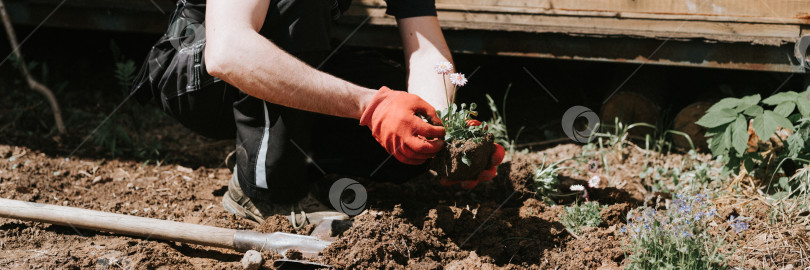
(410,8)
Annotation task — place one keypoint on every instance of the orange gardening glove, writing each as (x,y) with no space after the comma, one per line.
(486,175)
(394,120)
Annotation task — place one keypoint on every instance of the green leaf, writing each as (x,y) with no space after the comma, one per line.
(784,183)
(753,111)
(750,160)
(720,143)
(739,135)
(717,118)
(795,144)
(780,121)
(804,105)
(466,160)
(780,98)
(726,103)
(763,127)
(715,131)
(785,108)
(749,101)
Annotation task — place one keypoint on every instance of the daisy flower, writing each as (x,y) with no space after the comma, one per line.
(458,79)
(594,181)
(577,188)
(443,67)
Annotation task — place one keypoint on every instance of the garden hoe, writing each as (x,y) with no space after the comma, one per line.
(239,240)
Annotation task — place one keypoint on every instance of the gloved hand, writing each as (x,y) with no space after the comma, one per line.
(486,175)
(393,117)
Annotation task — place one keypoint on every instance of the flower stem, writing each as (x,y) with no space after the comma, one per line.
(447,96)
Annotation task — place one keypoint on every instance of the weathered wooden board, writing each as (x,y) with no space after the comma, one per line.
(785,9)
(757,33)
(769,22)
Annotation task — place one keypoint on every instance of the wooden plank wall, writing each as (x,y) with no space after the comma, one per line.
(784,9)
(766,22)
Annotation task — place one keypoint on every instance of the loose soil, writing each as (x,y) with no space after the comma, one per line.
(416,225)
(449,162)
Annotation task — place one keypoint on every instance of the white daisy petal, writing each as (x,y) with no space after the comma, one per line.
(443,67)
(594,181)
(458,79)
(577,188)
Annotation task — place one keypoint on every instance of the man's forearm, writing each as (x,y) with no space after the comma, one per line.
(424,46)
(256,66)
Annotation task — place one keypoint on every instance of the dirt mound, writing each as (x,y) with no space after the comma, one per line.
(386,240)
(615,214)
(596,247)
(279,223)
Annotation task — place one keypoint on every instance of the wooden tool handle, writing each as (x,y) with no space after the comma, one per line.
(118,223)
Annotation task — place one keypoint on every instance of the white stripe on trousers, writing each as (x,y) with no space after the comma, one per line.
(261,160)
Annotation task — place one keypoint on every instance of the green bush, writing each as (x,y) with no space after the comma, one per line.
(727,123)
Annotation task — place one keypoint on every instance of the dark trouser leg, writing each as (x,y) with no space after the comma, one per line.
(272,145)
(208,112)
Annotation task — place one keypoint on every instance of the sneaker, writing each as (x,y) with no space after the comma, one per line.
(308,210)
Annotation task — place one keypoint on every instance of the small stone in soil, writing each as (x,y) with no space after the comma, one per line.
(252,260)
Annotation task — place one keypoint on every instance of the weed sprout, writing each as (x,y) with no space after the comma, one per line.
(580,216)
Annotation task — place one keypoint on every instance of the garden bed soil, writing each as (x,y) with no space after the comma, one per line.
(419,224)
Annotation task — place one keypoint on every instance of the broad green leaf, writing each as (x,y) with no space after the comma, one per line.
(753,111)
(785,108)
(780,98)
(763,127)
(778,119)
(748,164)
(751,160)
(739,135)
(711,132)
(726,103)
(749,100)
(720,143)
(804,105)
(795,144)
(717,118)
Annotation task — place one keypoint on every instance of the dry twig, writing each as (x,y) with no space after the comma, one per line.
(33,84)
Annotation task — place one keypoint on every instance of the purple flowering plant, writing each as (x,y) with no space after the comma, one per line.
(676,237)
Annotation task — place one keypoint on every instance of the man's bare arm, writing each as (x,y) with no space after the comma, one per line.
(425,46)
(236,53)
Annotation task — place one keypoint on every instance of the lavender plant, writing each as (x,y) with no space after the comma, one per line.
(677,237)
